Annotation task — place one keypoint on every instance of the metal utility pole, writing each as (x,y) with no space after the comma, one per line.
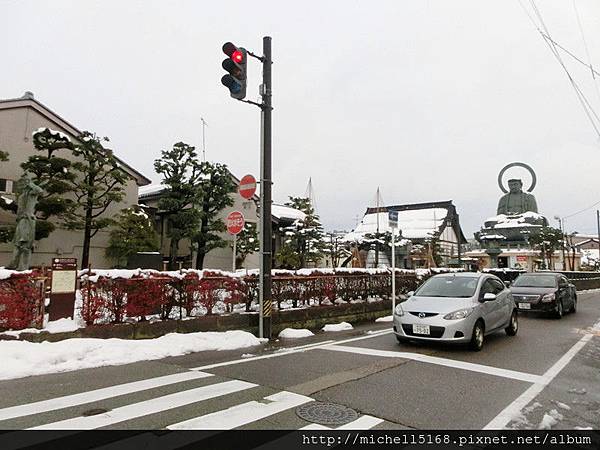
(598,221)
(377,234)
(236,81)
(562,232)
(265,196)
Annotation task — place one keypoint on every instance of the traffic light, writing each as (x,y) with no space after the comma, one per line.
(236,64)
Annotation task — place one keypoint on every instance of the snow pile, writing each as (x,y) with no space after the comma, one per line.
(55,326)
(21,359)
(337,326)
(52,132)
(294,333)
(5,274)
(550,419)
(515,221)
(561,405)
(385,319)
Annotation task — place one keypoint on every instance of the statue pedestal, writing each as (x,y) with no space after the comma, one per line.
(493,253)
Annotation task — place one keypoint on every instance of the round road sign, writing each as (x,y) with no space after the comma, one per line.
(235,222)
(247,186)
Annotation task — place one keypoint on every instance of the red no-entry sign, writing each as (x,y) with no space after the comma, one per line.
(235,222)
(247,186)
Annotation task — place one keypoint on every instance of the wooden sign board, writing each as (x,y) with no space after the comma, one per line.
(62,288)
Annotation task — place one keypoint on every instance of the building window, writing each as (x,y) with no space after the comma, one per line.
(6,186)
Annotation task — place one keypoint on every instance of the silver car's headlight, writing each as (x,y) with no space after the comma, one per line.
(548,297)
(460,314)
(399,311)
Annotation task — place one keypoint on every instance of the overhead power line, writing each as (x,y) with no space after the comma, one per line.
(587,51)
(552,45)
(583,210)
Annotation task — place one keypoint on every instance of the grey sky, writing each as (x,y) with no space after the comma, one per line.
(426,99)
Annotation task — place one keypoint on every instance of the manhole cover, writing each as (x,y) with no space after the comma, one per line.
(326,413)
(94,412)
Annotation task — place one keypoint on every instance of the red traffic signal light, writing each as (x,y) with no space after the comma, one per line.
(236,64)
(237,57)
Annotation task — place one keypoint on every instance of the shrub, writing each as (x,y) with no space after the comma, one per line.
(20,302)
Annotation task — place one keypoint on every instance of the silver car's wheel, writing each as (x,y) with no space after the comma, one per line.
(477,337)
(513,325)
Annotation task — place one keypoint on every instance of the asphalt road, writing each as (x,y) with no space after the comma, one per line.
(513,383)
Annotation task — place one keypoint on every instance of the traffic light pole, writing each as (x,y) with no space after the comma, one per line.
(266,231)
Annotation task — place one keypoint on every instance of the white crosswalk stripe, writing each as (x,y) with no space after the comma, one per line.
(97,394)
(362,423)
(246,413)
(243,414)
(148,407)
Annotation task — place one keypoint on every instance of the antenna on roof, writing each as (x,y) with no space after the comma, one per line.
(204,124)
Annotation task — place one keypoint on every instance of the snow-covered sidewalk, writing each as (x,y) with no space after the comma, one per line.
(21,359)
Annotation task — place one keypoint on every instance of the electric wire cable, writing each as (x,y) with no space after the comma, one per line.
(588,109)
(587,50)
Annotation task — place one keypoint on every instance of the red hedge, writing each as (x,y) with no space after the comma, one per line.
(20,302)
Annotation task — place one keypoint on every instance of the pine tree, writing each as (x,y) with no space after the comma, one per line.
(246,243)
(6,231)
(335,247)
(99,182)
(547,240)
(52,173)
(133,233)
(216,185)
(181,173)
(303,240)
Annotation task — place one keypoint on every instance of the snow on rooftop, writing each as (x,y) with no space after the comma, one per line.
(150,189)
(415,223)
(286,212)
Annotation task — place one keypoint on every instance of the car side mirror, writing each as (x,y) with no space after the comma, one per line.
(410,294)
(488,297)
(507,283)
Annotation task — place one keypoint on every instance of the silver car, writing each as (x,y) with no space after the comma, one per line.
(457,307)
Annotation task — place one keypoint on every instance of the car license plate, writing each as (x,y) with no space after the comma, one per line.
(524,305)
(421,329)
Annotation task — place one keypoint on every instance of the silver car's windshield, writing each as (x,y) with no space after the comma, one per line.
(448,286)
(544,281)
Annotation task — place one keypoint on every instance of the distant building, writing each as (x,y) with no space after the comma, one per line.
(423,226)
(219,258)
(19,118)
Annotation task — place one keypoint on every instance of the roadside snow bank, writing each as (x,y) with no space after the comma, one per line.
(21,359)
(294,333)
(337,326)
(385,319)
(55,326)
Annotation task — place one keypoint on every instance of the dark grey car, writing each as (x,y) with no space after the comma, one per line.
(546,292)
